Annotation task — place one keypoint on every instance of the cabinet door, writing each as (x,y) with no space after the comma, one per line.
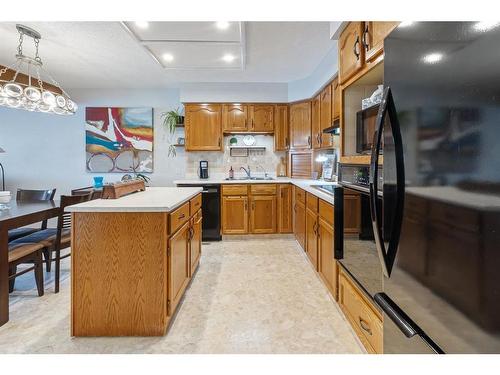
(195,243)
(351,51)
(326,115)
(316,122)
(234,117)
(203,127)
(235,215)
(281,129)
(178,266)
(261,118)
(335,99)
(285,208)
(300,125)
(373,37)
(263,214)
(327,267)
(352,213)
(299,223)
(312,237)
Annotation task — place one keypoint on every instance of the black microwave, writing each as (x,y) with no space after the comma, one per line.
(365,128)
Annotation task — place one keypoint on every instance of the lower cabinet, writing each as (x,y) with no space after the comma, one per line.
(299,223)
(312,237)
(263,214)
(363,317)
(352,213)
(285,224)
(235,214)
(327,265)
(195,242)
(178,266)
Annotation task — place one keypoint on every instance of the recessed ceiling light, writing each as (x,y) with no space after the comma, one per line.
(406,23)
(142,24)
(228,58)
(168,57)
(222,25)
(485,25)
(433,58)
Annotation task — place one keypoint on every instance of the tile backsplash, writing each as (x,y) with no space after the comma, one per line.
(220,162)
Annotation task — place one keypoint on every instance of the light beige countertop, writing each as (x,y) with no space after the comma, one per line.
(307,185)
(154,199)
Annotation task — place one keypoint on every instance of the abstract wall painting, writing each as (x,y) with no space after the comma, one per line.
(119,139)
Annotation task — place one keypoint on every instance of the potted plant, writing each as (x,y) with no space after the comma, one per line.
(170,120)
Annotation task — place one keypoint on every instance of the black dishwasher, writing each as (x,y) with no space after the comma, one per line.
(210,205)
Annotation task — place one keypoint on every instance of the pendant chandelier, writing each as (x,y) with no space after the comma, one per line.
(26,88)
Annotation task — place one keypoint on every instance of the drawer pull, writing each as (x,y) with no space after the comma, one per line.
(182,216)
(365,326)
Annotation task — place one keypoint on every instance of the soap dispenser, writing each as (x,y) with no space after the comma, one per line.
(231,173)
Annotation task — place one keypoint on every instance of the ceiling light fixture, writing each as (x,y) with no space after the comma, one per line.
(142,24)
(433,58)
(222,25)
(228,58)
(485,25)
(168,57)
(29,91)
(406,24)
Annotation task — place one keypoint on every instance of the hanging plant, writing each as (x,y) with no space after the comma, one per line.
(170,120)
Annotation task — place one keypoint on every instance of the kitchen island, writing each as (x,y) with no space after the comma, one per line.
(132,259)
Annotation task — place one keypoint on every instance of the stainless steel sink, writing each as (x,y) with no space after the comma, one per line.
(249,178)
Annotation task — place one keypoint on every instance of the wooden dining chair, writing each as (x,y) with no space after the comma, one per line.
(23,253)
(57,239)
(26,195)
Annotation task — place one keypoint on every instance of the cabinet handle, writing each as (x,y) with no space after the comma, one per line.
(365,326)
(363,38)
(309,141)
(295,207)
(253,205)
(355,50)
(286,142)
(246,206)
(182,216)
(315,229)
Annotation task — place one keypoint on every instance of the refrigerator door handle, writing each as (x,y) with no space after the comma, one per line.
(387,256)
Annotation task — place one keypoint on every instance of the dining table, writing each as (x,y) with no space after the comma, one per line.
(17,215)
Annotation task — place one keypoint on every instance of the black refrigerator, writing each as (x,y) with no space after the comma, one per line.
(438,233)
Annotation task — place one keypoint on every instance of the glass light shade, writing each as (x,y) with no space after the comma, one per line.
(13,90)
(32,93)
(3,94)
(49,98)
(70,105)
(42,107)
(13,102)
(60,101)
(59,111)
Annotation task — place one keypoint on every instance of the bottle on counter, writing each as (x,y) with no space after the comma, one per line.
(231,172)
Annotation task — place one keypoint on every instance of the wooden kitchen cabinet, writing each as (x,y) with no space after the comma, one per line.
(203,127)
(263,214)
(373,37)
(327,266)
(361,314)
(261,118)
(312,237)
(300,125)
(316,121)
(195,242)
(235,214)
(351,51)
(299,216)
(325,116)
(234,117)
(352,213)
(281,128)
(285,208)
(178,266)
(335,99)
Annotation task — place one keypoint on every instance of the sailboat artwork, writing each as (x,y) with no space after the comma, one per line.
(119,139)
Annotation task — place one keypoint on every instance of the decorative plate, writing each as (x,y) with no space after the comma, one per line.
(249,140)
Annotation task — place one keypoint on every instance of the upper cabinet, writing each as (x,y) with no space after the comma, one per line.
(316,122)
(300,125)
(325,115)
(203,127)
(234,117)
(335,99)
(281,128)
(261,118)
(373,37)
(351,51)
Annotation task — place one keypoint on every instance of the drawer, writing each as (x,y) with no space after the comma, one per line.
(197,215)
(234,189)
(326,211)
(263,189)
(312,202)
(361,315)
(300,195)
(179,217)
(194,204)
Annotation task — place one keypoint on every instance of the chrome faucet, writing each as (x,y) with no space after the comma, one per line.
(247,171)
(263,170)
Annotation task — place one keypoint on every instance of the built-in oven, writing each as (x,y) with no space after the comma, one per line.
(355,247)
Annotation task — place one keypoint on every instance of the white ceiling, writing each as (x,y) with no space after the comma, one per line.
(107,55)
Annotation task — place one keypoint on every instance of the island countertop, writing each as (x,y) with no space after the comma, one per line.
(154,199)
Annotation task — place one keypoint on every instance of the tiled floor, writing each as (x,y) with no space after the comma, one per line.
(250,295)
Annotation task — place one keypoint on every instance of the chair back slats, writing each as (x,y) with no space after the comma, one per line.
(26,195)
(64,219)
